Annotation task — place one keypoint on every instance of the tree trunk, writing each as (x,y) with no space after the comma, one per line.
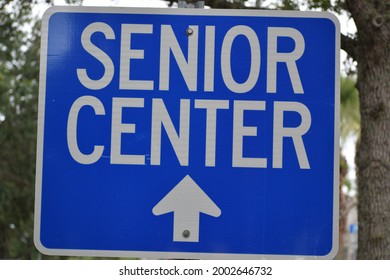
(373,160)
(373,153)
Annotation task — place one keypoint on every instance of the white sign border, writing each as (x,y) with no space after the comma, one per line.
(166,11)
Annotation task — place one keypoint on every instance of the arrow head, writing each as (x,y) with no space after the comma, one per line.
(186,197)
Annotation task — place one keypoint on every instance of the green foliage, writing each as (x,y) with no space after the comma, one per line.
(349,120)
(320,4)
(323,5)
(19,53)
(349,107)
(288,5)
(327,5)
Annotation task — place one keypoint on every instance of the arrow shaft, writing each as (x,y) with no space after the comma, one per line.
(186,227)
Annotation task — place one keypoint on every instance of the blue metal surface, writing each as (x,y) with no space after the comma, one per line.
(105,207)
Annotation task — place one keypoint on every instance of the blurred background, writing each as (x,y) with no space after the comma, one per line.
(19,72)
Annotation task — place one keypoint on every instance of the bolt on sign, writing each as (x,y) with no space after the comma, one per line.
(188,133)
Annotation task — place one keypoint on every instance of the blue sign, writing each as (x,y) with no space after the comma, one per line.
(171,133)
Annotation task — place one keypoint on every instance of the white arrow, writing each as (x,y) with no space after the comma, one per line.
(187,200)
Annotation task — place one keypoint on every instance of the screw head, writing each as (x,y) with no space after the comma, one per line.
(189,31)
(186,233)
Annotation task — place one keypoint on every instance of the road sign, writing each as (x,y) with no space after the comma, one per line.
(171,133)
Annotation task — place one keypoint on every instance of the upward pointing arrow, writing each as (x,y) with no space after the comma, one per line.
(187,200)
